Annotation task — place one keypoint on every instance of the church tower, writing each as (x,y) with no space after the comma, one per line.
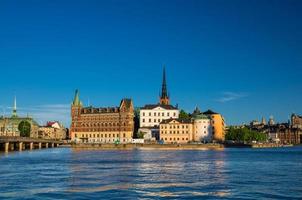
(164,97)
(14,114)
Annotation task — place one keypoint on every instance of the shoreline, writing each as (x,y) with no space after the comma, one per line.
(209,146)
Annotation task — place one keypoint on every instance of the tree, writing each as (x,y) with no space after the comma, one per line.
(244,135)
(24,128)
(183,115)
(140,135)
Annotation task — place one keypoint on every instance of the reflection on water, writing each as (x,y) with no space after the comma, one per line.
(147,174)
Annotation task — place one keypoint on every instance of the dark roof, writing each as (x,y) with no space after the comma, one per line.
(152,106)
(186,121)
(209,112)
(127,102)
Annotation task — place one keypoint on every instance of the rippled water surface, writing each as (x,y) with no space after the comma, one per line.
(64,173)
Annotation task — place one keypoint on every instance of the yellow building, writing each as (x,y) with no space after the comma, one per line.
(218,125)
(176,131)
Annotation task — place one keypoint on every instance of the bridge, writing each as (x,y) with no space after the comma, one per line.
(22,143)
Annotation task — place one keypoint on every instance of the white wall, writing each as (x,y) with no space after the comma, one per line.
(150,118)
(203,130)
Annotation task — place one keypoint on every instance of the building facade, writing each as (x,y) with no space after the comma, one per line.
(176,131)
(52,130)
(10,126)
(102,125)
(296,121)
(202,127)
(218,124)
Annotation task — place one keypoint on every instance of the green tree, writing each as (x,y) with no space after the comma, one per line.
(183,115)
(244,135)
(140,135)
(24,128)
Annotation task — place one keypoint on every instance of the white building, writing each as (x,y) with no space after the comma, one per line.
(152,115)
(203,130)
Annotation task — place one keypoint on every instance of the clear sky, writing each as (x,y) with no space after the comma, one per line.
(240,58)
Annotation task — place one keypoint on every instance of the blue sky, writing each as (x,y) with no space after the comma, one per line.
(240,58)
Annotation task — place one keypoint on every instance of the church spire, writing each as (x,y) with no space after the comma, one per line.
(76,100)
(164,97)
(15,108)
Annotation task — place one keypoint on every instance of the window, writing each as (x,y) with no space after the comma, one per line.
(143,114)
(158,120)
(149,113)
(163,114)
(154,120)
(168,114)
(149,120)
(143,120)
(174,114)
(124,135)
(155,114)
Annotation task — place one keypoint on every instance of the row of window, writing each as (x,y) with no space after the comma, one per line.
(98,135)
(150,120)
(101,124)
(174,139)
(100,129)
(106,140)
(158,114)
(174,127)
(174,132)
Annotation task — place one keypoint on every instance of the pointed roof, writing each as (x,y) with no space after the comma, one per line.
(15,108)
(164,91)
(76,100)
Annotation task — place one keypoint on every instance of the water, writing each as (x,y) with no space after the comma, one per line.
(63,173)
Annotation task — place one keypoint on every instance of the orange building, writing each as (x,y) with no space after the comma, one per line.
(218,125)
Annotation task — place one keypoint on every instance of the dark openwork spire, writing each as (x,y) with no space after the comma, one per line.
(164,97)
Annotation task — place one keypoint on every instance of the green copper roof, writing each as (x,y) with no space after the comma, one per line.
(200,116)
(76,100)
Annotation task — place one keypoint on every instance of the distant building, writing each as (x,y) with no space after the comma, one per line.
(52,130)
(9,126)
(102,125)
(296,121)
(282,133)
(218,125)
(153,114)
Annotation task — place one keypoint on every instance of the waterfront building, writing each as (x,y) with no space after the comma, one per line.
(152,115)
(52,130)
(102,125)
(10,126)
(198,128)
(176,131)
(202,127)
(218,124)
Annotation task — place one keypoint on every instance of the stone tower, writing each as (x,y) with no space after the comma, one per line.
(75,110)
(164,97)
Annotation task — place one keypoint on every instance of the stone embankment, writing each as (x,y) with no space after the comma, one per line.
(149,146)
